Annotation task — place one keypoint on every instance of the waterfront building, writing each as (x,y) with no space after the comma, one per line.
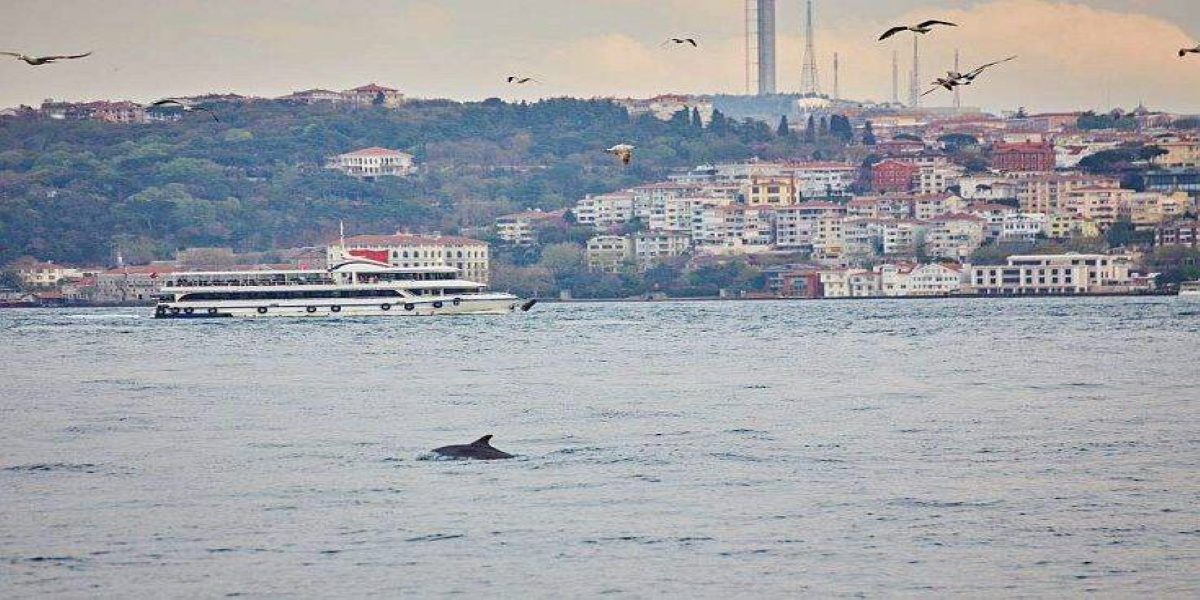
(1028,280)
(371,163)
(43,275)
(905,279)
(471,257)
(1103,273)
(132,284)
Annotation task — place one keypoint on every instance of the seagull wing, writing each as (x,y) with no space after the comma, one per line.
(933,22)
(210,113)
(16,54)
(893,31)
(981,69)
(692,42)
(67,56)
(932,90)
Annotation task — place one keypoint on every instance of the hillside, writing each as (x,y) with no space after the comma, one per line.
(76,191)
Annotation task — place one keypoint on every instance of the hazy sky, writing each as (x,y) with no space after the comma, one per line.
(1073,54)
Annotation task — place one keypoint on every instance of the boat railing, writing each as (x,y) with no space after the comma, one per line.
(184,282)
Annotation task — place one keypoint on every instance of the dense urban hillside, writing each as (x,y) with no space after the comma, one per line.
(78,191)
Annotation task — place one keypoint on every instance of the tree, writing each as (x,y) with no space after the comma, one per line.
(956,142)
(810,131)
(697,120)
(868,134)
(379,99)
(681,120)
(9,280)
(784,130)
(719,124)
(562,260)
(841,128)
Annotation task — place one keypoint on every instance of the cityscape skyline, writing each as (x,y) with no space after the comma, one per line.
(1073,54)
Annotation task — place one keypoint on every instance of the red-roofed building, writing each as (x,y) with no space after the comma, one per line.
(893,176)
(370,163)
(1023,157)
(374,95)
(469,256)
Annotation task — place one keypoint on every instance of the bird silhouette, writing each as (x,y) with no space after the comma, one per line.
(921,28)
(521,80)
(43,60)
(682,41)
(1186,51)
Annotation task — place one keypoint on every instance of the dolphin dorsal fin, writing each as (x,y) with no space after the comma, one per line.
(483,441)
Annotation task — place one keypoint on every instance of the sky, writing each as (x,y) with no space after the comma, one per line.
(1072,54)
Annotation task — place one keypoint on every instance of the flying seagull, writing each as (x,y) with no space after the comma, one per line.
(623,152)
(1186,51)
(921,28)
(682,41)
(43,60)
(954,79)
(521,80)
(185,107)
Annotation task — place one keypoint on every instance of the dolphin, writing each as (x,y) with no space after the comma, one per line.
(480,449)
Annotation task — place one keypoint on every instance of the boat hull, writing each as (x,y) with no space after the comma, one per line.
(499,304)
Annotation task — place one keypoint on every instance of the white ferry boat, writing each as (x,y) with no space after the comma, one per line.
(355,287)
(1190,289)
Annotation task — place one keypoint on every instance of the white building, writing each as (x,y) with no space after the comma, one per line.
(1024,227)
(370,163)
(46,274)
(823,179)
(605,210)
(1053,275)
(520,229)
(608,253)
(937,179)
(651,248)
(954,237)
(470,257)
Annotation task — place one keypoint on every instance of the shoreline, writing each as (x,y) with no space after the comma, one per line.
(641,300)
